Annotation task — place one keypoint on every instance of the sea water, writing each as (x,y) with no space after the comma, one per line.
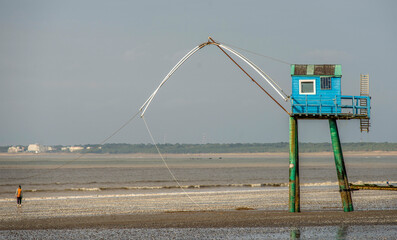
(63,175)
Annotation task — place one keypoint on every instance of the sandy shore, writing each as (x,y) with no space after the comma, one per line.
(211,209)
(210,219)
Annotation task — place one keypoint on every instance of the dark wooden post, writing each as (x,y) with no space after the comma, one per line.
(344,187)
(294,189)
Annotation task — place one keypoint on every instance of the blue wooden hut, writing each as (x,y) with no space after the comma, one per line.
(316,93)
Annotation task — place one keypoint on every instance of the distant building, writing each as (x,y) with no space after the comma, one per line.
(16,149)
(76,148)
(37,148)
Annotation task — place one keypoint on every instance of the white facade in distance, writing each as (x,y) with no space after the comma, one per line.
(16,149)
(37,148)
(76,148)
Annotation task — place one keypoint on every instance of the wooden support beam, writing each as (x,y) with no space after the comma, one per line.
(344,187)
(294,189)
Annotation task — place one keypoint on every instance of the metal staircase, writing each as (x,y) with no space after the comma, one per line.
(364,91)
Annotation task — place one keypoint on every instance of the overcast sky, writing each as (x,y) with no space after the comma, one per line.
(72,72)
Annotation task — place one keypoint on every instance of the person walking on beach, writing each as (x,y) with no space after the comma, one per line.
(18,194)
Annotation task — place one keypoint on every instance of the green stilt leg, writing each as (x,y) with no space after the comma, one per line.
(344,187)
(294,190)
(295,233)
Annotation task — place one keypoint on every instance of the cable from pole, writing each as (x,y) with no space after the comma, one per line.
(165,163)
(269,80)
(258,54)
(81,154)
(119,129)
(188,55)
(249,76)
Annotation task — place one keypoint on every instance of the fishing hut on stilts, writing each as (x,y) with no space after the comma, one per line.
(316,95)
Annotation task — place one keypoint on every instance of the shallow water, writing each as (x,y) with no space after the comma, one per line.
(41,176)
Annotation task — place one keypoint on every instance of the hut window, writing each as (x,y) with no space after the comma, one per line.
(307,87)
(325,83)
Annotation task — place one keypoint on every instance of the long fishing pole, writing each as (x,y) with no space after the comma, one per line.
(215,43)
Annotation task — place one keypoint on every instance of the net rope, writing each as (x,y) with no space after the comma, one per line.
(165,163)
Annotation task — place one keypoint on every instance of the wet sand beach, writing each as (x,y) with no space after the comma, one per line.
(263,207)
(209,219)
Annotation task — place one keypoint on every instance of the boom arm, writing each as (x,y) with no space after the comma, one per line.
(246,60)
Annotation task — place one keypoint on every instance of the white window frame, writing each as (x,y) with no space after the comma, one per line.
(307,80)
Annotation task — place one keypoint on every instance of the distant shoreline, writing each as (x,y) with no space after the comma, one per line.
(214,155)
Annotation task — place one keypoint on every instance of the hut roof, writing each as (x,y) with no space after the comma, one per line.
(316,70)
